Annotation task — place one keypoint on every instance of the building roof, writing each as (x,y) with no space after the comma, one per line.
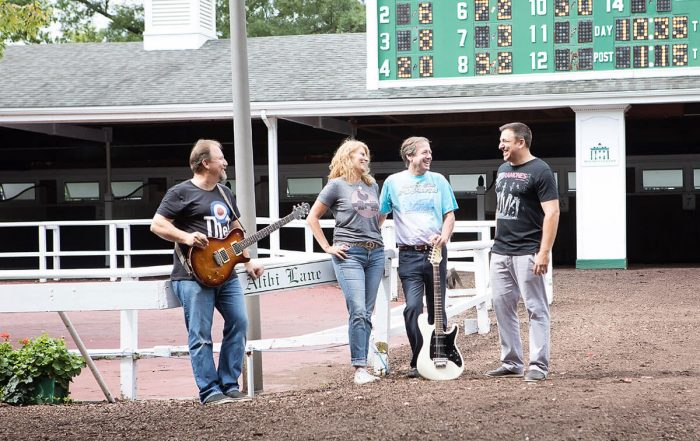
(304,75)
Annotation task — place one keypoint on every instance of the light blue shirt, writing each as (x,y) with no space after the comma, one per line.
(418,203)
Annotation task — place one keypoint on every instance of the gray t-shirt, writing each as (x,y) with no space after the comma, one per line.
(355,208)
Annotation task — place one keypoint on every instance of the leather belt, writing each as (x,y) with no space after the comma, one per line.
(368,245)
(419,248)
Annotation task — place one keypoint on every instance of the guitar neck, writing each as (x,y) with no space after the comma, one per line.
(437,300)
(250,240)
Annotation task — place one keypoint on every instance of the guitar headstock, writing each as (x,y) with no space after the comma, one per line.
(300,210)
(435,255)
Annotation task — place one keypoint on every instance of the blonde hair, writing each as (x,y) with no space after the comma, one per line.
(341,164)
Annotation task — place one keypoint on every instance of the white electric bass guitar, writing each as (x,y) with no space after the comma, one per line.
(439,358)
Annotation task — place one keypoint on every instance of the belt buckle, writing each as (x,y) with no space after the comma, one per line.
(371,245)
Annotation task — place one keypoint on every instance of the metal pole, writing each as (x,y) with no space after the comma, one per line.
(86,356)
(243,146)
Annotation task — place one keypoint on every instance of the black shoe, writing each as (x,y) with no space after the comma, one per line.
(413,373)
(534,375)
(237,395)
(503,372)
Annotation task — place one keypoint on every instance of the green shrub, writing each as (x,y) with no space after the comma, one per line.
(21,370)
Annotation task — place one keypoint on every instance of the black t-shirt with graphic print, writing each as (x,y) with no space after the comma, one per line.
(520,190)
(194,209)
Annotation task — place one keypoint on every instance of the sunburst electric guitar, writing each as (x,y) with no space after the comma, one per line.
(439,358)
(213,264)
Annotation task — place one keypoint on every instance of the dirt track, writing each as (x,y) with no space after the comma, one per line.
(625,366)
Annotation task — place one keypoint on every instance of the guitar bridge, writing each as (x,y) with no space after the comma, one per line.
(440,362)
(221,256)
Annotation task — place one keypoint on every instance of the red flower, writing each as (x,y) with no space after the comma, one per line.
(5,336)
(24,341)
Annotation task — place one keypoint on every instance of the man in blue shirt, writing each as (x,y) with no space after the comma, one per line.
(423,205)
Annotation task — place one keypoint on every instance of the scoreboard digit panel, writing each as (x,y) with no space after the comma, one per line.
(423,42)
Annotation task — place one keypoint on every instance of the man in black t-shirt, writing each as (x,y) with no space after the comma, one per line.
(527,216)
(190,213)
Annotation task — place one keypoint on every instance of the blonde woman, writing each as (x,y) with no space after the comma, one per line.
(357,250)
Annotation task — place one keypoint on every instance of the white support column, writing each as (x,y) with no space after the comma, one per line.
(379,344)
(273,179)
(128,337)
(601,205)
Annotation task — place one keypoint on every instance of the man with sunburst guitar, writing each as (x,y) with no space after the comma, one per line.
(423,205)
(195,214)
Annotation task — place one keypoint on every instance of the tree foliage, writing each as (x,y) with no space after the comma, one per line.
(295,17)
(73,20)
(21,20)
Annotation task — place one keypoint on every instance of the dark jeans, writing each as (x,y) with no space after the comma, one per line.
(416,274)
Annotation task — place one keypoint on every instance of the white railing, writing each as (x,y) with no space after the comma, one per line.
(131,295)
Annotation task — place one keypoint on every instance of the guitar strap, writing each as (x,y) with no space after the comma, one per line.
(185,263)
(228,202)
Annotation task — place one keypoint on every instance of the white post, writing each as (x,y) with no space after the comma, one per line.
(379,347)
(273,179)
(390,244)
(42,250)
(113,248)
(549,283)
(250,372)
(56,233)
(601,216)
(127,245)
(128,337)
(308,240)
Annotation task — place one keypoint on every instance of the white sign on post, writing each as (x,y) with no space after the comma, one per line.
(288,275)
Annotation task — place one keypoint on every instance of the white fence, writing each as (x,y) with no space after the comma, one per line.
(130,294)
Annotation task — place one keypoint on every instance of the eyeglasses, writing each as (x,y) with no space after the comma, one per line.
(506,141)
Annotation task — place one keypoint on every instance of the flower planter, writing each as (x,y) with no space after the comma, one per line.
(48,391)
(38,372)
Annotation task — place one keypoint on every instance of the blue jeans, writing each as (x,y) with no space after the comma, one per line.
(359,276)
(199,302)
(416,274)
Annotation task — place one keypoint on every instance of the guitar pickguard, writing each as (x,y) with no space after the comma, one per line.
(444,347)
(446,367)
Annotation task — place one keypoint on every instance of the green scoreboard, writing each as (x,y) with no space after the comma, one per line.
(419,42)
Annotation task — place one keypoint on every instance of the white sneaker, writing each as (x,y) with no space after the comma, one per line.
(364,377)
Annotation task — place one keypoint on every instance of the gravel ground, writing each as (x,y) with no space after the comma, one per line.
(625,366)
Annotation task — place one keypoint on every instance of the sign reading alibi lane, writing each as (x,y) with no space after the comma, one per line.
(419,42)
